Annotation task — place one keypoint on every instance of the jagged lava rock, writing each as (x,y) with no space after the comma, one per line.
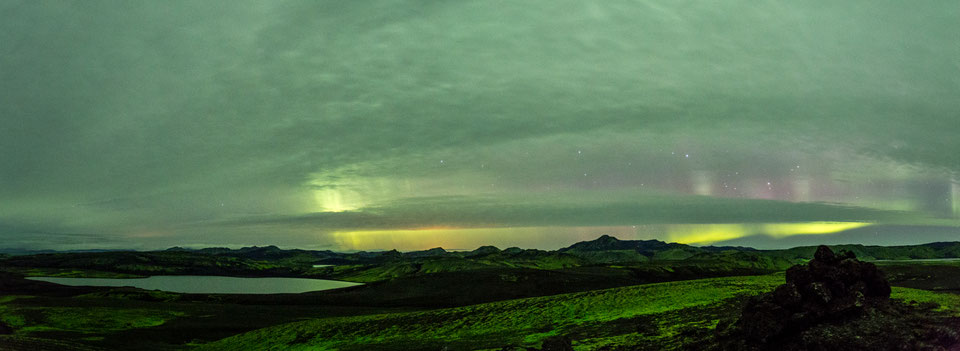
(829,287)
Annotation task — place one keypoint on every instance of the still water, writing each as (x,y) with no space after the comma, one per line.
(209,284)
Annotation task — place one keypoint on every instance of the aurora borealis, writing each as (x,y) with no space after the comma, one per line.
(415,124)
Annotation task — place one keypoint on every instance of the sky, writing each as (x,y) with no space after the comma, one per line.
(365,125)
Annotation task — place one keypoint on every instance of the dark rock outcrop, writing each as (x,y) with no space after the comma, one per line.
(5,329)
(836,302)
(830,287)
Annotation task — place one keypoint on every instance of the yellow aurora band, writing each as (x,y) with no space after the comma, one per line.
(711,233)
(556,237)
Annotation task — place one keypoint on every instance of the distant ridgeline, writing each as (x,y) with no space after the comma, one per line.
(645,257)
(605,249)
(645,250)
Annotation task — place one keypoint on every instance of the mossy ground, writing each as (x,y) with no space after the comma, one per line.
(28,319)
(67,273)
(654,316)
(649,313)
(667,315)
(947,303)
(142,320)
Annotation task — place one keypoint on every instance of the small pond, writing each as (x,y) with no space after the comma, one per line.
(193,284)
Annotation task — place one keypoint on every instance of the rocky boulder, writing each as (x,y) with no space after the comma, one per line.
(830,287)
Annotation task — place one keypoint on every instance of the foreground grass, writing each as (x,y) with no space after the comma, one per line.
(948,302)
(653,314)
(67,273)
(515,322)
(667,315)
(79,319)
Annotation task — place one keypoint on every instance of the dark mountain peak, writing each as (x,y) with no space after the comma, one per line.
(606,242)
(270,248)
(263,250)
(391,253)
(607,238)
(215,250)
(437,251)
(512,250)
(258,252)
(484,250)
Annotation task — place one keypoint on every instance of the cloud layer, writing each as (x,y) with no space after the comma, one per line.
(160,122)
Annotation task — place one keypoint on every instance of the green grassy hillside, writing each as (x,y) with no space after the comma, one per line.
(662,315)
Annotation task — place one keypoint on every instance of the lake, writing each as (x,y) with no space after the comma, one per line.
(193,284)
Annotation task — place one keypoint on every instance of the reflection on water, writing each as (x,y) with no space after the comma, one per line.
(209,284)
